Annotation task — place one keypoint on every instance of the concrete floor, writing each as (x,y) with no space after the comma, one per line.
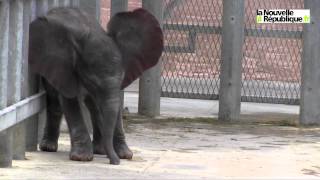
(192,148)
(189,150)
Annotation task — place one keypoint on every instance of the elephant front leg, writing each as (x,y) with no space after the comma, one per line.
(51,132)
(119,142)
(81,148)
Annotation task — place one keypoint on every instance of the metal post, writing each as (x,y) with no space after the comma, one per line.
(64,3)
(53,3)
(92,7)
(29,84)
(118,6)
(42,7)
(75,3)
(150,81)
(5,136)
(310,96)
(15,72)
(231,56)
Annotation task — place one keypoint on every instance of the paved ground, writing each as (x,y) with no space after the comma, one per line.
(193,148)
(179,148)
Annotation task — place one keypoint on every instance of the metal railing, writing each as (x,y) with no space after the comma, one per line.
(21,104)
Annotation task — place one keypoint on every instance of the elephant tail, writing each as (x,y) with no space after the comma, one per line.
(139,37)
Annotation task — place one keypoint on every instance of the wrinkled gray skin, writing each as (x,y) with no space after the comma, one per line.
(76,57)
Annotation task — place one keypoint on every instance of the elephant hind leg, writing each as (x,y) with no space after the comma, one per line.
(50,137)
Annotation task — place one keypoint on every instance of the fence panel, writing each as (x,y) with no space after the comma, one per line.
(18,100)
(272,56)
(191,61)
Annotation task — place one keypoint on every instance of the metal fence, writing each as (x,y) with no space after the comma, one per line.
(191,62)
(21,106)
(272,56)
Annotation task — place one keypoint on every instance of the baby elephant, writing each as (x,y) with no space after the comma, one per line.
(76,57)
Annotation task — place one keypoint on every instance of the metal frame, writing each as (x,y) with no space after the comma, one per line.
(20,111)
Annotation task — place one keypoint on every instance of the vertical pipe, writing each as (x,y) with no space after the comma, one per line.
(118,6)
(42,7)
(65,3)
(5,136)
(15,72)
(75,3)
(150,81)
(310,95)
(53,3)
(92,7)
(29,84)
(231,59)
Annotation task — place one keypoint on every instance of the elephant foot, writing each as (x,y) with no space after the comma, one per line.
(48,145)
(81,152)
(98,148)
(123,150)
(114,161)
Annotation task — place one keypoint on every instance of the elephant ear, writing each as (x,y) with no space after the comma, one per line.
(140,40)
(52,56)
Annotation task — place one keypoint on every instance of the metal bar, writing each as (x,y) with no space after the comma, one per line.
(248,32)
(118,6)
(271,100)
(189,95)
(231,57)
(194,27)
(271,33)
(5,136)
(310,97)
(4,41)
(42,7)
(271,92)
(29,83)
(65,3)
(21,110)
(92,7)
(150,81)
(53,3)
(75,3)
(15,72)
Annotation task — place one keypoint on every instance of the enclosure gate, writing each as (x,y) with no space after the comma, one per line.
(271,60)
